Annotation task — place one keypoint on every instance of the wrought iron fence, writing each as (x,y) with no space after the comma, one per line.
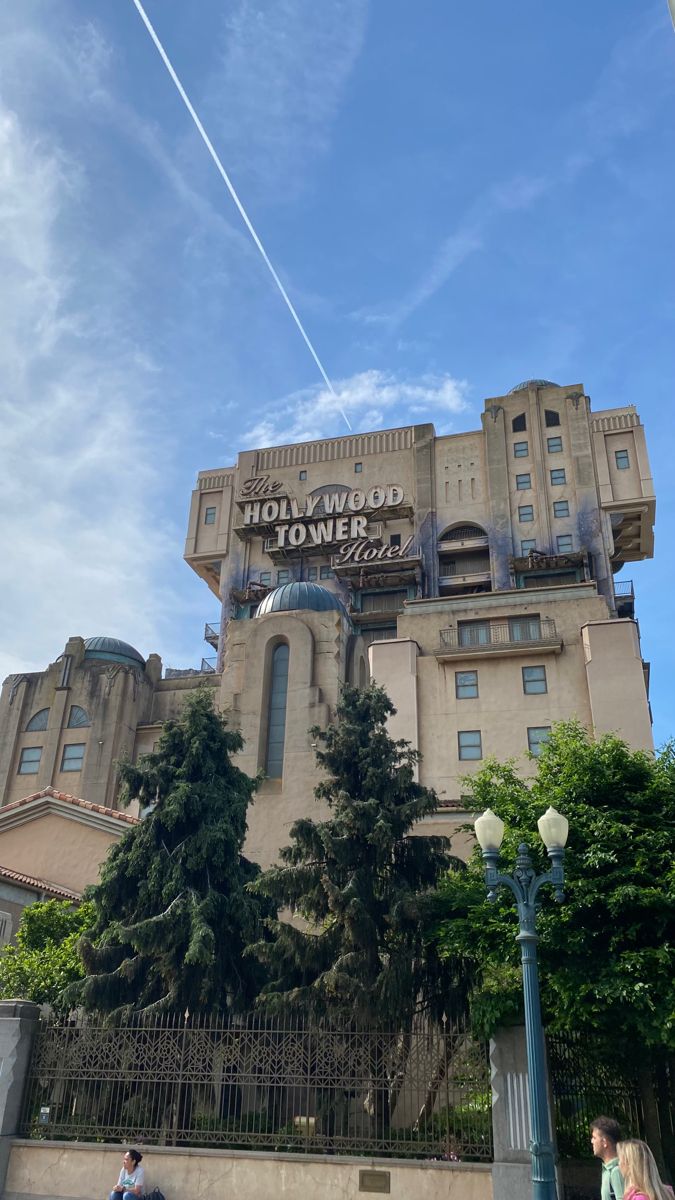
(261,1083)
(586,1080)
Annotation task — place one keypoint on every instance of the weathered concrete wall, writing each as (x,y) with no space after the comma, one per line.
(78,1171)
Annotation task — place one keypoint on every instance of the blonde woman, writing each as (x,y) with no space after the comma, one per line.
(640,1175)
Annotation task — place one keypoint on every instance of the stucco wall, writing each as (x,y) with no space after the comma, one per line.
(80,1172)
(82,848)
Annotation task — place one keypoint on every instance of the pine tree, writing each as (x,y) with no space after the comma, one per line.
(173,914)
(360,882)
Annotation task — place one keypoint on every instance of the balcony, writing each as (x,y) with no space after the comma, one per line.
(624,598)
(518,636)
(212,635)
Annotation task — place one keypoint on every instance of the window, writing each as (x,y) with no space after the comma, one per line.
(520,450)
(302,475)
(561,508)
(283,576)
(78,718)
(526,512)
(537,735)
(38,721)
(528,544)
(394,539)
(564,543)
(466,685)
(325,573)
(551,417)
(524,629)
(276,715)
(312,572)
(358,467)
(523,483)
(470,746)
(554,445)
(5,927)
(519,423)
(558,477)
(30,760)
(473,633)
(622,460)
(210,516)
(266,578)
(73,757)
(534,681)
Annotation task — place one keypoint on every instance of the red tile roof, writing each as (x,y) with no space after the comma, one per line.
(39,884)
(68,799)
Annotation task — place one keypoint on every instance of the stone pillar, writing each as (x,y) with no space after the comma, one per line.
(511,1130)
(18,1023)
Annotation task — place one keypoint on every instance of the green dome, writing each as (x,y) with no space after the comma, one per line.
(294,596)
(112,650)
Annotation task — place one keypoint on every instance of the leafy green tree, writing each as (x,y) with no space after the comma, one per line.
(44,960)
(360,884)
(172,912)
(607,954)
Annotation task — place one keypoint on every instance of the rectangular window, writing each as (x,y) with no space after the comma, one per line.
(73,757)
(537,736)
(622,460)
(283,576)
(524,629)
(528,544)
(523,483)
(30,760)
(5,928)
(302,475)
(312,572)
(534,681)
(394,539)
(470,746)
(266,578)
(466,685)
(564,543)
(551,417)
(561,508)
(210,516)
(325,573)
(554,445)
(520,449)
(525,513)
(473,633)
(358,467)
(558,477)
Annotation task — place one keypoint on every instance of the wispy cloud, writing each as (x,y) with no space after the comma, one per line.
(372,400)
(272,99)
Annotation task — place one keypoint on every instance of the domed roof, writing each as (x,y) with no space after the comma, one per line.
(537,383)
(292,596)
(112,650)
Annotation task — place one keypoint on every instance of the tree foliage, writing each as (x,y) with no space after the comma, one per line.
(607,954)
(44,960)
(359,882)
(172,914)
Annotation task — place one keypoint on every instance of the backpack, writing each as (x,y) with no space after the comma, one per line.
(155,1194)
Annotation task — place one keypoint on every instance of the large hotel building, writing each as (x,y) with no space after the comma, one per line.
(472,575)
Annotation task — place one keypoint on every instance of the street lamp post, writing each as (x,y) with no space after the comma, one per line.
(524,883)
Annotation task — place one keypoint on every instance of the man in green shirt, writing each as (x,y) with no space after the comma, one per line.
(605,1134)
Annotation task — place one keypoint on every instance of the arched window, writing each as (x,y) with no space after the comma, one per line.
(38,721)
(276,715)
(461,532)
(78,717)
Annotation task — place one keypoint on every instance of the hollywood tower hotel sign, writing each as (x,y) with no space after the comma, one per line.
(326,518)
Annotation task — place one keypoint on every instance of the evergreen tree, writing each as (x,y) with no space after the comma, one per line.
(173,914)
(360,883)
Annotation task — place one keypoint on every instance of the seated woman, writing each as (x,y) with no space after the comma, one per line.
(640,1173)
(131,1182)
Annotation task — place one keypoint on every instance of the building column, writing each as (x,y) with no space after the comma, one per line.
(511,1129)
(18,1024)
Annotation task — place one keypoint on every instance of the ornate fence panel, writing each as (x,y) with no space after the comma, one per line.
(586,1080)
(256,1083)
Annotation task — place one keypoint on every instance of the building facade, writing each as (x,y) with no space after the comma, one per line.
(472,575)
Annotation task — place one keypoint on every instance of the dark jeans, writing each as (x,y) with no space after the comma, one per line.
(123,1196)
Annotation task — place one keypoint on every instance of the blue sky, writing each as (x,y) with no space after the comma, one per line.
(457,196)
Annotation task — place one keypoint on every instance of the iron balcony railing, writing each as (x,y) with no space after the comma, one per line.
(212,635)
(624,588)
(256,1083)
(499,634)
